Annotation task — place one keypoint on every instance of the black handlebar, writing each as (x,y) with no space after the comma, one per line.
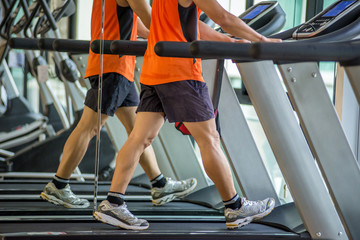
(204,50)
(134,48)
(220,50)
(24,43)
(173,49)
(95,46)
(50,44)
(46,44)
(73,46)
(305,52)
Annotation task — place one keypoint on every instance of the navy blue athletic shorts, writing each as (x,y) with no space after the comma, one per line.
(183,101)
(117,92)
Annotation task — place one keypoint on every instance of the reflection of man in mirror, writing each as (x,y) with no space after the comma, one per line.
(119,97)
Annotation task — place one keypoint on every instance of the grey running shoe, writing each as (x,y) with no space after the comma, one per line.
(119,216)
(171,190)
(249,211)
(64,197)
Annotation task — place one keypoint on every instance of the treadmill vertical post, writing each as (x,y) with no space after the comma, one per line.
(291,150)
(326,138)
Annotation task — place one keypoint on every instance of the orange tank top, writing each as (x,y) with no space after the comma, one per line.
(171,22)
(120,23)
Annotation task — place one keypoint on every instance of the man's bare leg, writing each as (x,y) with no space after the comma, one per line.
(215,162)
(147,161)
(78,142)
(147,126)
(113,210)
(58,190)
(163,189)
(238,211)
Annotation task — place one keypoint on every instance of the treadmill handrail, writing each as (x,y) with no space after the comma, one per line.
(204,50)
(24,43)
(46,44)
(69,45)
(173,49)
(124,47)
(95,46)
(50,44)
(220,50)
(305,51)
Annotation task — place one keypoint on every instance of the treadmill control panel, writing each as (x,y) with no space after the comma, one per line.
(256,12)
(335,15)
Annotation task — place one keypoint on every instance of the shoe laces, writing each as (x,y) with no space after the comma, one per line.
(124,211)
(246,202)
(177,185)
(69,194)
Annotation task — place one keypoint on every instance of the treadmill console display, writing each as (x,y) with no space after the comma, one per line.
(258,11)
(266,17)
(331,17)
(339,8)
(255,12)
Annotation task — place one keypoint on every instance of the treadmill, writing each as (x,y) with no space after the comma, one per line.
(177,220)
(314,108)
(338,22)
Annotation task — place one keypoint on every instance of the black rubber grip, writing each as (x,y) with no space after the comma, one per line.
(95,46)
(124,47)
(220,50)
(73,46)
(173,49)
(24,43)
(46,44)
(304,52)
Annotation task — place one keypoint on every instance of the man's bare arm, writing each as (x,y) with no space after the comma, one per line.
(142,9)
(207,33)
(229,22)
(142,30)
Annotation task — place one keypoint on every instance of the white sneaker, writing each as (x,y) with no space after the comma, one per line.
(119,216)
(64,197)
(249,211)
(172,189)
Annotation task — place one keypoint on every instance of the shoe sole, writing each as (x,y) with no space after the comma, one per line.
(245,221)
(114,222)
(57,201)
(170,197)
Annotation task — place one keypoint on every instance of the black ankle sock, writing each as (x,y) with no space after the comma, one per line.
(115,198)
(158,182)
(234,203)
(59,182)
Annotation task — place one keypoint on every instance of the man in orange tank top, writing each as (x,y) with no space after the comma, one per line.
(173,89)
(119,97)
